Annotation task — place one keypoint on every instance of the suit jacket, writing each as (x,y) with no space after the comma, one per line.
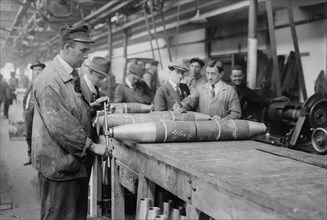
(226,103)
(141,94)
(166,95)
(89,96)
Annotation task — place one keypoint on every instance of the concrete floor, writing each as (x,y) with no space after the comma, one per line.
(21,181)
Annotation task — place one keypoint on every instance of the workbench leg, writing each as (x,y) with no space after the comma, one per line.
(117,193)
(95,188)
(191,212)
(145,189)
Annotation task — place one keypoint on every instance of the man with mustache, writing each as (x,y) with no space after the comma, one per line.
(214,98)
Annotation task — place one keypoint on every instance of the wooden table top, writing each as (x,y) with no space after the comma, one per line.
(291,187)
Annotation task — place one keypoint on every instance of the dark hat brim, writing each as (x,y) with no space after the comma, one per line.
(83,40)
(39,64)
(98,71)
(178,68)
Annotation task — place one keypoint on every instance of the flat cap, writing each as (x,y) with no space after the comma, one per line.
(177,65)
(136,69)
(76,33)
(42,65)
(198,60)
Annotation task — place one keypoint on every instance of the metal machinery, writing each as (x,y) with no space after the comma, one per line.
(305,124)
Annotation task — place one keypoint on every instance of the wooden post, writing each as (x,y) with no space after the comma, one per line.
(275,76)
(297,50)
(145,189)
(207,43)
(109,39)
(95,188)
(252,45)
(125,53)
(117,193)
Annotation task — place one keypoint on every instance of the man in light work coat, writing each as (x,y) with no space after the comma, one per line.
(61,130)
(28,105)
(215,98)
(173,91)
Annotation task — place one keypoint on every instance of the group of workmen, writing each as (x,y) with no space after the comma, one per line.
(64,103)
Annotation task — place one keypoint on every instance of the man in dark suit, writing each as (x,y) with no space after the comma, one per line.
(28,105)
(134,89)
(98,70)
(173,91)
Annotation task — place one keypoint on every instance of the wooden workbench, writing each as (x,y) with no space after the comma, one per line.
(225,180)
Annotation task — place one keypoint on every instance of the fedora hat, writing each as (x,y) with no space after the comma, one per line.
(42,65)
(100,65)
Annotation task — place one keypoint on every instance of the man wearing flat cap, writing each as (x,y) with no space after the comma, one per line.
(28,105)
(195,78)
(61,140)
(173,91)
(214,98)
(134,89)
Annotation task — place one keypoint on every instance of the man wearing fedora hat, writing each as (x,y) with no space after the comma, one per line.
(28,105)
(195,78)
(97,71)
(134,89)
(173,91)
(61,139)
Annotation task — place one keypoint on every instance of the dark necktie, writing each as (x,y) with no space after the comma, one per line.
(178,90)
(213,91)
(77,82)
(95,94)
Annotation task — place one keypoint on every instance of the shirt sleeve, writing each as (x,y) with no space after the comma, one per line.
(62,125)
(191,102)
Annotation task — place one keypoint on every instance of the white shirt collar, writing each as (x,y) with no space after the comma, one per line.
(128,83)
(67,67)
(172,84)
(217,85)
(89,84)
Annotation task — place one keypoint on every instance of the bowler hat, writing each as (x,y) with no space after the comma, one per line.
(42,65)
(100,65)
(136,69)
(177,65)
(198,60)
(76,33)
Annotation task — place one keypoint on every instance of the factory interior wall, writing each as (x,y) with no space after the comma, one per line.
(312,44)
(311,36)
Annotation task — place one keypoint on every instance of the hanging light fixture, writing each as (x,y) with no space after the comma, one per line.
(198,19)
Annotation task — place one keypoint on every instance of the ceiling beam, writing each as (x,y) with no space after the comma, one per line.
(218,11)
(91,16)
(21,12)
